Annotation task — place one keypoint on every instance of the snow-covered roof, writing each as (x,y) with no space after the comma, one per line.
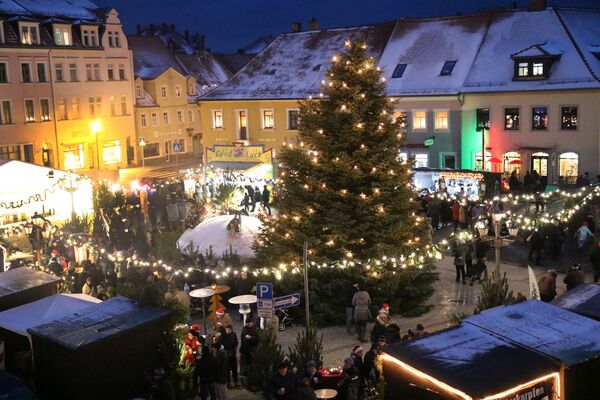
(538,50)
(425,46)
(151,57)
(146,100)
(51,8)
(97,322)
(584,26)
(471,360)
(19,279)
(42,311)
(511,32)
(150,72)
(560,334)
(234,62)
(584,300)
(294,64)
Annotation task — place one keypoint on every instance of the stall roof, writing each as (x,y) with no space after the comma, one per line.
(545,328)
(48,309)
(98,322)
(19,279)
(472,360)
(584,300)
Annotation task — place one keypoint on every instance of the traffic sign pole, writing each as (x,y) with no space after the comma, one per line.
(306,295)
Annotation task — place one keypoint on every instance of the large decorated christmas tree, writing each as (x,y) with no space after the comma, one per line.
(344,190)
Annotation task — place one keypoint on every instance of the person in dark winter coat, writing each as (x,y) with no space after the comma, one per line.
(248,340)
(350,383)
(257,196)
(160,387)
(229,341)
(380,326)
(459,261)
(361,302)
(536,245)
(595,260)
(370,373)
(207,373)
(282,384)
(266,199)
(305,391)
(574,278)
(221,371)
(315,378)
(547,286)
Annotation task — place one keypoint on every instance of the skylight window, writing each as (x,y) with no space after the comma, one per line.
(448,67)
(399,71)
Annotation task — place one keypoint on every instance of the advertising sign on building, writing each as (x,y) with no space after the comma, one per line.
(227,153)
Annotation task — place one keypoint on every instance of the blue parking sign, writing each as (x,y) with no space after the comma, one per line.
(264,291)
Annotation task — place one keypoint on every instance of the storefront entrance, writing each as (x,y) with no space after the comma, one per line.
(539,163)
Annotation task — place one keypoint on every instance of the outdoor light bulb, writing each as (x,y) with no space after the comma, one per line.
(362,95)
(334,58)
(347,43)
(359,125)
(343,107)
(320,131)
(382,79)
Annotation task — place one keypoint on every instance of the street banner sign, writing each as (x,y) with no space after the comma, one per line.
(291,300)
(264,291)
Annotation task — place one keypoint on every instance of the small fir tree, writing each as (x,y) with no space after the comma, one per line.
(308,346)
(494,292)
(344,189)
(266,357)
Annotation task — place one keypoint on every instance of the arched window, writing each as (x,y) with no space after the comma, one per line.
(568,167)
(488,157)
(512,162)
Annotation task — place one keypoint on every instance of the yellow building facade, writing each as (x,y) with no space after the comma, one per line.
(167,115)
(252,122)
(66,91)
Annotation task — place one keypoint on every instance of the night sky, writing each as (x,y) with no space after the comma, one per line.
(231,24)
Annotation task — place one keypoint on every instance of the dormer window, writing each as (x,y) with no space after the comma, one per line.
(89,36)
(535,61)
(532,69)
(114,39)
(29,33)
(399,71)
(448,68)
(62,35)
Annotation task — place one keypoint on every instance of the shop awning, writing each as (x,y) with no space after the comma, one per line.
(233,166)
(583,300)
(472,361)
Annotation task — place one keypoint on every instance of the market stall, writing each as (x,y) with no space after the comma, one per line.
(24,285)
(106,349)
(15,322)
(583,300)
(465,183)
(29,189)
(530,350)
(220,235)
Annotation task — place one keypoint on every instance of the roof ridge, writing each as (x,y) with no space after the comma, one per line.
(575,44)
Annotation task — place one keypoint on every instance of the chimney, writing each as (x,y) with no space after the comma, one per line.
(241,51)
(313,24)
(537,5)
(151,28)
(172,27)
(138,29)
(296,27)
(164,27)
(187,35)
(200,42)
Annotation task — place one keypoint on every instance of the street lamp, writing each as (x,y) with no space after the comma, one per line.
(96,127)
(496,241)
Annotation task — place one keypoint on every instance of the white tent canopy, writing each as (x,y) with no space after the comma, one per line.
(48,309)
(28,188)
(213,232)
